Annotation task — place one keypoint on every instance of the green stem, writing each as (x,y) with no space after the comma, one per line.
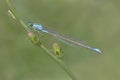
(12,8)
(57,60)
(60,62)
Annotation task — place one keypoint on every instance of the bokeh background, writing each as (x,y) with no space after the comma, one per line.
(95,21)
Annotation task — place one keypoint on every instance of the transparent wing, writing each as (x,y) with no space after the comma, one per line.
(71,40)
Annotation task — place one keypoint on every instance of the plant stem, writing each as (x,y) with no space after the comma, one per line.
(57,60)
(60,62)
(12,8)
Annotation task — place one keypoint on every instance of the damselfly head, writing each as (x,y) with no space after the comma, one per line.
(30,24)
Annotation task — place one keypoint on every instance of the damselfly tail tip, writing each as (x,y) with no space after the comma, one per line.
(97,50)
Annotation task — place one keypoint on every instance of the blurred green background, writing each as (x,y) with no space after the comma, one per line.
(95,21)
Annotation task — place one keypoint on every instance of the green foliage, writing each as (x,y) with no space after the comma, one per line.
(57,50)
(34,39)
(95,21)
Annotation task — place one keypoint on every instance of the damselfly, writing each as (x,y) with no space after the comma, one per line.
(64,38)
